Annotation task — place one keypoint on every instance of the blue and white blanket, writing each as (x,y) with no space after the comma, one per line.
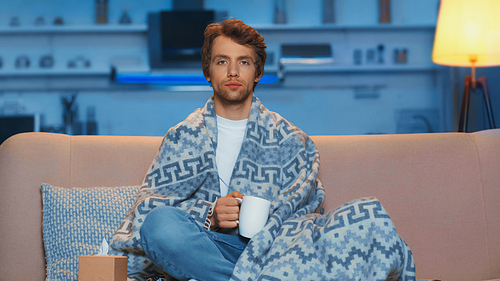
(280,163)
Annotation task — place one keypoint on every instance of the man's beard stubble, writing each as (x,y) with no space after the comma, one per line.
(232,98)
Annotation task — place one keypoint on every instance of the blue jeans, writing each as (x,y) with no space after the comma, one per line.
(179,246)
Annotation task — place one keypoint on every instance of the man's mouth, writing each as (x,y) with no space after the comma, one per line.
(233,85)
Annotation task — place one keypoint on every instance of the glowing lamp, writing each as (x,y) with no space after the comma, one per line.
(468,34)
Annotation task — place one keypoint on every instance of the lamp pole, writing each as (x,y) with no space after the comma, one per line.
(473,60)
(471,84)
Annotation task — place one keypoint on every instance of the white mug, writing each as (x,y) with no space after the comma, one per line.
(254,212)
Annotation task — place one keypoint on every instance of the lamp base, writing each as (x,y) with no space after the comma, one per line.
(481,83)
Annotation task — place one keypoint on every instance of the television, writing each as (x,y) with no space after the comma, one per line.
(176,37)
(15,124)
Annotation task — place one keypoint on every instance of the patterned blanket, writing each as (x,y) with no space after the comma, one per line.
(280,163)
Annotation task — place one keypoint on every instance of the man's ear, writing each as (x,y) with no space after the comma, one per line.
(258,78)
(208,78)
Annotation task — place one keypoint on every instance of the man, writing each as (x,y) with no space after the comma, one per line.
(184,220)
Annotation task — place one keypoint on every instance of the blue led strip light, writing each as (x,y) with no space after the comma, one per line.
(191,79)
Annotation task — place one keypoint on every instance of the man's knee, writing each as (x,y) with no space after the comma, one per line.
(162,228)
(159,220)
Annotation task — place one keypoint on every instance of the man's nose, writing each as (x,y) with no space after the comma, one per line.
(233,70)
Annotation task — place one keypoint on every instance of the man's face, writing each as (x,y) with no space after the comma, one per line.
(232,71)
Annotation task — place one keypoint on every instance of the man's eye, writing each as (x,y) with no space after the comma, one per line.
(245,62)
(222,62)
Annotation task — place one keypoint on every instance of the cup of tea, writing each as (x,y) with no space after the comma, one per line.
(254,212)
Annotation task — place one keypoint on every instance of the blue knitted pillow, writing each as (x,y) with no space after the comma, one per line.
(75,220)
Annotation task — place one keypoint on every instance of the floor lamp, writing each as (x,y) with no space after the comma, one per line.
(468,34)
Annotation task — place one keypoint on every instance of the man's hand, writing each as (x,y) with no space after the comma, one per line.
(226,211)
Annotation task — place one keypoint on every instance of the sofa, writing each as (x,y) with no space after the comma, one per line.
(441,190)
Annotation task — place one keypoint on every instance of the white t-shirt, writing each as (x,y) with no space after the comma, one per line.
(230,135)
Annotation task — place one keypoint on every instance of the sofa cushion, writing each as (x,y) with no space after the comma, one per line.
(75,221)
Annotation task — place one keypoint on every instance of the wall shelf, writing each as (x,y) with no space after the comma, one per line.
(101,28)
(357,68)
(53,72)
(106,28)
(334,27)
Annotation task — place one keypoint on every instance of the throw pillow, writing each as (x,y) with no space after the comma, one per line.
(75,221)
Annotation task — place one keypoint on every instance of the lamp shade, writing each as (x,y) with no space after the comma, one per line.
(467,33)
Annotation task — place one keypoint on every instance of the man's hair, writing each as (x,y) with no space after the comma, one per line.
(241,34)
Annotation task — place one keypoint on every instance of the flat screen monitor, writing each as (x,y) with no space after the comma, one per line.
(177,36)
(11,125)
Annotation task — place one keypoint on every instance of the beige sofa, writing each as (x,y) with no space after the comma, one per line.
(441,190)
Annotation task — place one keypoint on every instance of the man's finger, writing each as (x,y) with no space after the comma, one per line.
(228,224)
(228,201)
(227,209)
(227,217)
(235,194)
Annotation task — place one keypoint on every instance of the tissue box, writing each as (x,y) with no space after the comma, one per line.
(105,268)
